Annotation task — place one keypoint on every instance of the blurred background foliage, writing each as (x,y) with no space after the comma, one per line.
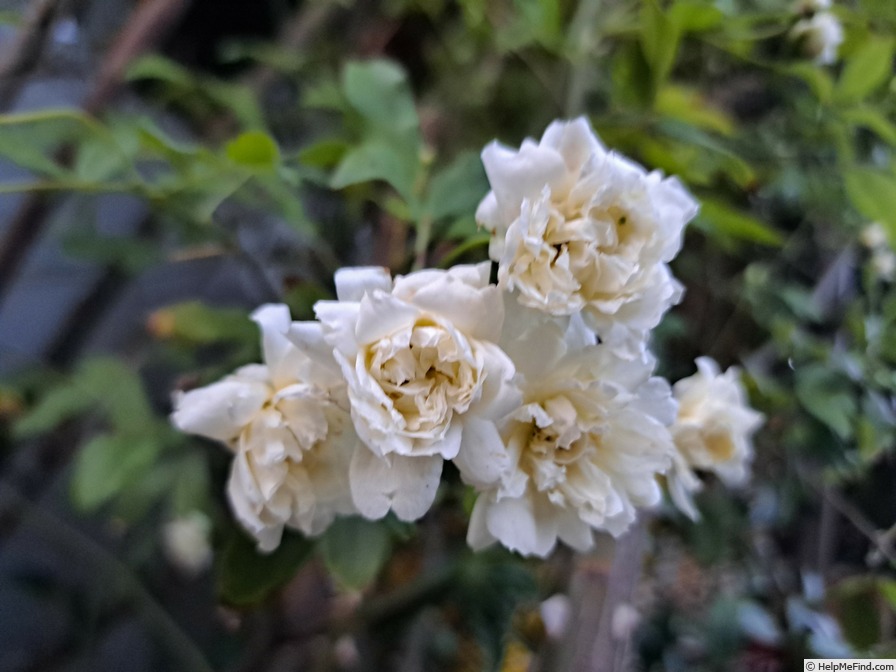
(217,155)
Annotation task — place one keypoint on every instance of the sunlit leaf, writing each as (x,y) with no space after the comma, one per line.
(873,194)
(869,67)
(659,40)
(254,150)
(718,217)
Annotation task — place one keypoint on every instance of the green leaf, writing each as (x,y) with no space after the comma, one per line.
(103,382)
(29,140)
(195,322)
(873,194)
(377,160)
(355,550)
(324,94)
(324,153)
(888,590)
(695,16)
(464,228)
(120,392)
(254,150)
(716,217)
(457,190)
(488,590)
(190,488)
(55,407)
(659,41)
(874,120)
(154,66)
(380,92)
(817,79)
(689,106)
(106,464)
(131,255)
(237,98)
(856,605)
(827,395)
(869,67)
(157,141)
(630,77)
(247,577)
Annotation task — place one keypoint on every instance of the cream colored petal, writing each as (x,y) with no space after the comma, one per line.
(353,283)
(219,411)
(405,485)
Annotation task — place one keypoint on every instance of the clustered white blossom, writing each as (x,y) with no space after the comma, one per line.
(539,389)
(819,33)
(883,259)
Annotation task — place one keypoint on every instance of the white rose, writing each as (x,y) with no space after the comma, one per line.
(819,36)
(584,448)
(423,373)
(288,424)
(873,236)
(576,228)
(185,541)
(712,431)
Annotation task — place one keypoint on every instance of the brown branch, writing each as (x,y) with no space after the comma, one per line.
(150,22)
(24,52)
(147,24)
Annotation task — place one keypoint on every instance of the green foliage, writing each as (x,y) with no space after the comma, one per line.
(254,150)
(245,577)
(457,189)
(790,160)
(197,323)
(722,220)
(873,193)
(489,588)
(390,145)
(108,466)
(354,550)
(869,67)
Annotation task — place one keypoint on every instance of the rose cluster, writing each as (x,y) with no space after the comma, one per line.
(539,389)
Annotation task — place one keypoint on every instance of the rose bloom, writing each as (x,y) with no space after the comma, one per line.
(583,449)
(185,540)
(424,375)
(819,37)
(712,431)
(576,228)
(287,423)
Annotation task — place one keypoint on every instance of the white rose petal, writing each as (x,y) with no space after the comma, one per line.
(584,447)
(820,36)
(712,431)
(288,423)
(576,228)
(420,363)
(186,542)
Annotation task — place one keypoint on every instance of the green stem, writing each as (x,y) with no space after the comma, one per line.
(421,243)
(469,244)
(584,42)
